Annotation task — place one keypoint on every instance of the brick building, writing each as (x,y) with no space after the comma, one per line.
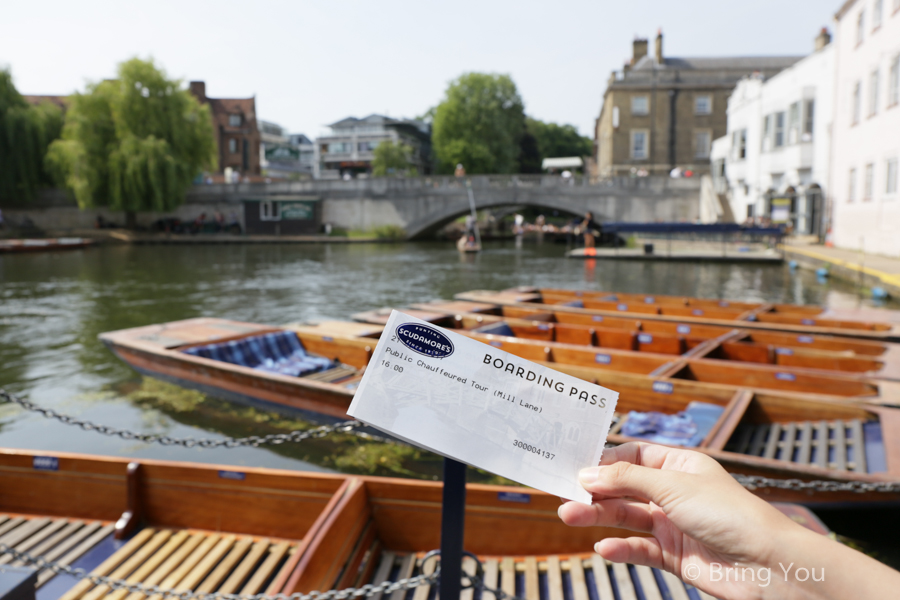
(236,130)
(664,112)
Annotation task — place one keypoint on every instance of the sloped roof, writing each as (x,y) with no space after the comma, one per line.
(718,63)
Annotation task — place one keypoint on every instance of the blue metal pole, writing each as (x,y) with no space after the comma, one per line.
(453,519)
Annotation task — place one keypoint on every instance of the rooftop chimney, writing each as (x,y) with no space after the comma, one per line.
(659,54)
(640,50)
(823,39)
(198,89)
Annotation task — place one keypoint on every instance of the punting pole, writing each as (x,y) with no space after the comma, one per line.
(453,520)
(473,212)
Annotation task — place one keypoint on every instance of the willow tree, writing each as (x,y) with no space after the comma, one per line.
(25,133)
(134,143)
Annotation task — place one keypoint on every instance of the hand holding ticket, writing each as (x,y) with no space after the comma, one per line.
(485,407)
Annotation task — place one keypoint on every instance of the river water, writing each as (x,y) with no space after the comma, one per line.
(53,306)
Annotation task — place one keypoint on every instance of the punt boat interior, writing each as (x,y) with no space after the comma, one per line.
(808,437)
(790,318)
(877,360)
(208,528)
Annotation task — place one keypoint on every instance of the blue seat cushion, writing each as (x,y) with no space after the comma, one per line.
(279,352)
(686,428)
(498,328)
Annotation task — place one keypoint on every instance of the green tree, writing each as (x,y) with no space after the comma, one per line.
(479,124)
(134,143)
(25,133)
(559,140)
(392,159)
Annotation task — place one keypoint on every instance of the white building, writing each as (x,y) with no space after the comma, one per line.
(865,206)
(774,160)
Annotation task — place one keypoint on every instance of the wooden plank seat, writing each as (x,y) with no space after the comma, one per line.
(839,444)
(555,577)
(183,559)
(57,539)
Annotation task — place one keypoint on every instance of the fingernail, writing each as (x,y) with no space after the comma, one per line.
(559,511)
(589,475)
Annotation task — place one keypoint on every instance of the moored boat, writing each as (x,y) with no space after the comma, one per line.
(219,529)
(877,360)
(790,435)
(779,317)
(44,244)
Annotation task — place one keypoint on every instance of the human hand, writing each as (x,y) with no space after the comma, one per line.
(698,517)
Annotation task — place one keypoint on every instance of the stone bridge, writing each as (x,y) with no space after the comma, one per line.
(422,205)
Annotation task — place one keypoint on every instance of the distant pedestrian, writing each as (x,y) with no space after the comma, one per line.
(590,229)
(460,170)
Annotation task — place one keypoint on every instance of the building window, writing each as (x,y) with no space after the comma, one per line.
(809,113)
(639,142)
(768,121)
(268,211)
(337,148)
(367,146)
(873,93)
(794,123)
(869,182)
(851,186)
(876,14)
(702,141)
(640,105)
(857,102)
(860,27)
(894,82)
(615,117)
(703,105)
(739,144)
(891,170)
(779,130)
(232,146)
(234,120)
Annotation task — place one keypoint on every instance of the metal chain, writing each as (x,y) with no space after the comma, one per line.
(227,442)
(150,590)
(753,482)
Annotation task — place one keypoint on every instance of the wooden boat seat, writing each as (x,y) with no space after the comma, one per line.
(575,577)
(184,559)
(843,445)
(336,374)
(67,541)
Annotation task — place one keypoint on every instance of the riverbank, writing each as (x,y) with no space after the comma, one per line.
(865,270)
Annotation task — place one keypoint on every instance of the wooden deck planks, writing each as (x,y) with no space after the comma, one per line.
(491,578)
(676,587)
(601,578)
(554,579)
(132,564)
(407,566)
(623,582)
(532,582)
(578,580)
(508,576)
(265,570)
(26,543)
(110,564)
(648,583)
(469,567)
(822,444)
(840,445)
(151,566)
(428,567)
(224,568)
(245,567)
(94,534)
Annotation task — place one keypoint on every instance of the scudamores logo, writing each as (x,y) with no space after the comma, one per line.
(425,340)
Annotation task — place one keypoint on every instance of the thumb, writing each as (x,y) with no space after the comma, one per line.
(627,480)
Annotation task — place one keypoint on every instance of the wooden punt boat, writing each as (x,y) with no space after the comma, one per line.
(216,529)
(44,244)
(876,360)
(780,317)
(794,436)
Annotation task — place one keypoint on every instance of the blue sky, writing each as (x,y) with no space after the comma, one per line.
(313,63)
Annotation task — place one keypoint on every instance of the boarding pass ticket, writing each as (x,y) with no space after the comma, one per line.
(473,402)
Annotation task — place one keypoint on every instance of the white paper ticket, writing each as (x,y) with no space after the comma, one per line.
(485,407)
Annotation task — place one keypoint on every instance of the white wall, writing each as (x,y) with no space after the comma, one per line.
(799,163)
(871,224)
